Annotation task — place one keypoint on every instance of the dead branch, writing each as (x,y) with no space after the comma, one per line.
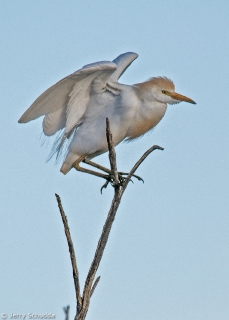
(119,188)
(72,254)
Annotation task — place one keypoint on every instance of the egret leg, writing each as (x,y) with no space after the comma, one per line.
(94,173)
(98,166)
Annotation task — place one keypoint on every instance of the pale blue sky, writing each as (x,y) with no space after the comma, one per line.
(168,254)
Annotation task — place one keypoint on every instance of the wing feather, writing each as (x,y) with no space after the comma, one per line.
(54,121)
(96,80)
(51,100)
(123,61)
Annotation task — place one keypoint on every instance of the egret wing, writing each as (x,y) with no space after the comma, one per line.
(64,103)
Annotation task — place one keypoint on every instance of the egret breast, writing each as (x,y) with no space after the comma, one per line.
(146,119)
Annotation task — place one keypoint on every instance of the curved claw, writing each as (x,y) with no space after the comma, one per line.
(139,178)
(104,186)
(121,180)
(134,175)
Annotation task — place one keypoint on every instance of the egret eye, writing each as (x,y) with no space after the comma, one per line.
(164,91)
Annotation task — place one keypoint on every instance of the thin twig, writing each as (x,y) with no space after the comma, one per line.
(94,286)
(66,311)
(72,253)
(138,163)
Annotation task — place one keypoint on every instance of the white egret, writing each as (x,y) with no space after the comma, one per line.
(80,103)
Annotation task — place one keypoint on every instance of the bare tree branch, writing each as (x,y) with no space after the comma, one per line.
(72,253)
(119,188)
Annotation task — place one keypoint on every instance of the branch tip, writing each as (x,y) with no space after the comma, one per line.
(139,162)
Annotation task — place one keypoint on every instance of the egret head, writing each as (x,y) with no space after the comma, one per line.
(163,90)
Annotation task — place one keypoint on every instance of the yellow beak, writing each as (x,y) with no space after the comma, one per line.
(179,97)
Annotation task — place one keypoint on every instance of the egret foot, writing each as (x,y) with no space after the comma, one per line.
(111,181)
(108,177)
(102,168)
